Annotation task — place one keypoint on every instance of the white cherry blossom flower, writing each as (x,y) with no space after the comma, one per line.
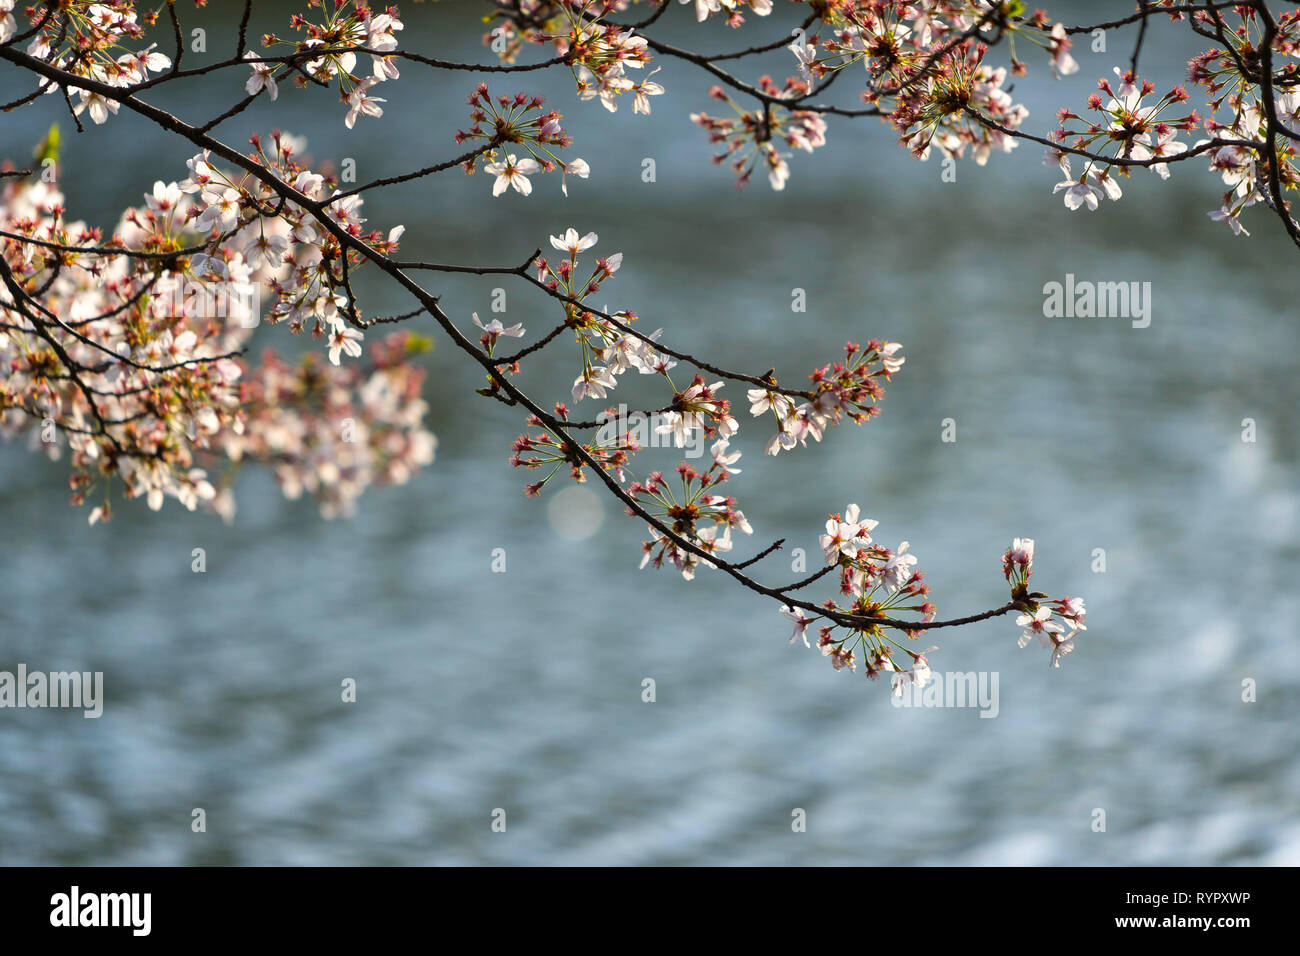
(223,211)
(361,103)
(801,622)
(137,66)
(607,86)
(889,359)
(805,55)
(346,340)
(494,327)
(781,441)
(98,105)
(1063,64)
(678,426)
(896,571)
(512,172)
(572,243)
(578,167)
(1038,625)
(494,330)
(762,400)
(1079,193)
(847,535)
(1230,214)
(642,92)
(201,263)
(268,249)
(8,27)
(705,7)
(263,78)
(1059,649)
(164,198)
(595,382)
(724,460)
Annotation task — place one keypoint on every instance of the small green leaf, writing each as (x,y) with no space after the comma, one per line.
(416,343)
(49,146)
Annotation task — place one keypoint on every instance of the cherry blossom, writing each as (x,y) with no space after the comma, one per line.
(1081,193)
(723,458)
(520,120)
(642,90)
(571,243)
(185,399)
(345,340)
(110,334)
(262,78)
(361,103)
(801,622)
(917,676)
(512,173)
(495,330)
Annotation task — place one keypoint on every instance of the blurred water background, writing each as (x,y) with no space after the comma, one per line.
(522,691)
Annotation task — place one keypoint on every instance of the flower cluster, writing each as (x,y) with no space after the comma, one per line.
(116,359)
(305,264)
(879,584)
(960,104)
(693,510)
(926,69)
(126,352)
(98,41)
(698,407)
(607,343)
(519,23)
(849,389)
(880,38)
(750,138)
(330,433)
(518,122)
(1127,123)
(1244,171)
(928,73)
(1137,128)
(328,55)
(545,448)
(1039,615)
(600,54)
(875,583)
